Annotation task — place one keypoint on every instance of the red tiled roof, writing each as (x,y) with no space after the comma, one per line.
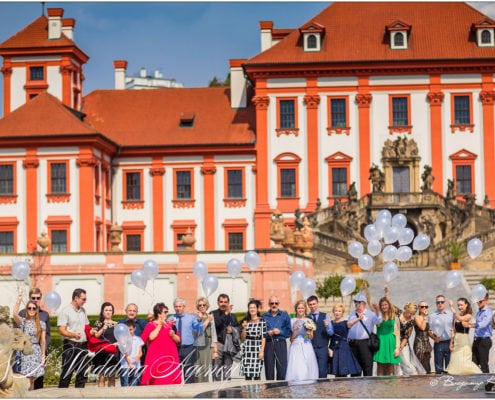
(44,115)
(355,31)
(152,117)
(35,35)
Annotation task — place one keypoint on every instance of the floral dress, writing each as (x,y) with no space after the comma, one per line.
(31,364)
(251,365)
(422,346)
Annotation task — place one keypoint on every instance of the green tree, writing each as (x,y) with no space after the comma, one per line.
(215,82)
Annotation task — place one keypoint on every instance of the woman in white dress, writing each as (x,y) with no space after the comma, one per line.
(409,363)
(461,355)
(302,364)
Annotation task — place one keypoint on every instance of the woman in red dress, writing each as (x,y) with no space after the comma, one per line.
(162,365)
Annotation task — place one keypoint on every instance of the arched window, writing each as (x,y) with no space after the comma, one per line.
(486,36)
(312,42)
(399,39)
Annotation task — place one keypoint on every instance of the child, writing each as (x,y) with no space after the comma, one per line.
(130,362)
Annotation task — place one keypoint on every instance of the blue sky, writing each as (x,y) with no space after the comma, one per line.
(188,41)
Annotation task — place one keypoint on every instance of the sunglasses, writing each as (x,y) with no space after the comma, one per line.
(201,305)
(423,306)
(164,311)
(440,302)
(35,297)
(32,308)
(274,304)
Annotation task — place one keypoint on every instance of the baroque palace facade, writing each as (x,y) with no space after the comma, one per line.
(304,119)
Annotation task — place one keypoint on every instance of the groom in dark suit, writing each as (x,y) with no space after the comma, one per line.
(324,330)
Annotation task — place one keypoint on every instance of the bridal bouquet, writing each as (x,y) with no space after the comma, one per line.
(309,325)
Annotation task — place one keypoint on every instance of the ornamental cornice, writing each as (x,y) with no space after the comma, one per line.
(435,98)
(312,101)
(157,171)
(487,97)
(87,161)
(261,102)
(208,169)
(363,100)
(31,162)
(6,70)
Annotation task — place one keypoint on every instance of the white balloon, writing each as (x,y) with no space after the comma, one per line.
(150,269)
(478,292)
(399,220)
(391,234)
(121,332)
(20,270)
(347,285)
(370,233)
(406,236)
(139,278)
(421,242)
(210,284)
(381,225)
(200,270)
(365,262)
(356,249)
(125,345)
(307,287)
(52,300)
(404,253)
(296,279)
(252,260)
(453,279)
(389,253)
(374,247)
(474,248)
(234,267)
(390,271)
(384,214)
(436,326)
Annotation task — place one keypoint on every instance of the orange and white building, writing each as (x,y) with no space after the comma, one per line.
(302,120)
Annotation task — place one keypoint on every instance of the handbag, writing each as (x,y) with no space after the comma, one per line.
(96,345)
(16,367)
(373,341)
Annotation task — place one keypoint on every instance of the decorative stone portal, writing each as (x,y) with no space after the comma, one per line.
(400,161)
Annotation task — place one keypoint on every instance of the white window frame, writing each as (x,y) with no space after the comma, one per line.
(492,37)
(392,40)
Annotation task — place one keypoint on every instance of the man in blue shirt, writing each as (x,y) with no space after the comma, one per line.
(482,335)
(278,330)
(187,326)
(131,312)
(441,347)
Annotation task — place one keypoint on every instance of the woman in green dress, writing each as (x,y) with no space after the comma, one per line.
(387,357)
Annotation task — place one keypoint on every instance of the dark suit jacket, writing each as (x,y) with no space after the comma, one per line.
(320,336)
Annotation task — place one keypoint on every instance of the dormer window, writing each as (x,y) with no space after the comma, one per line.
(485,33)
(312,35)
(399,35)
(187,119)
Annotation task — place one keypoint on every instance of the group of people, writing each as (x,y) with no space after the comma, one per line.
(171,348)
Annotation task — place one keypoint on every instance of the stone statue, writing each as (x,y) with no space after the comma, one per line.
(11,339)
(337,209)
(377,178)
(401,147)
(307,237)
(389,149)
(470,203)
(352,221)
(450,195)
(486,201)
(318,204)
(115,236)
(352,193)
(298,221)
(428,179)
(277,231)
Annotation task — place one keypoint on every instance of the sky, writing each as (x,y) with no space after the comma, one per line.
(189,41)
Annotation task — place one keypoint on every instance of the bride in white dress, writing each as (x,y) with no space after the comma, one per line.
(302,364)
(461,355)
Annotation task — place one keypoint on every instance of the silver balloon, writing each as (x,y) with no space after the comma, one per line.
(20,270)
(478,292)
(356,249)
(399,220)
(200,270)
(374,247)
(404,253)
(389,253)
(52,300)
(210,284)
(365,262)
(406,236)
(390,271)
(453,279)
(421,242)
(347,285)
(296,279)
(139,279)
(391,234)
(474,248)
(384,214)
(234,267)
(436,326)
(308,287)
(370,233)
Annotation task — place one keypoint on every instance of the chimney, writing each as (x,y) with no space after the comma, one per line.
(238,95)
(142,72)
(266,28)
(120,68)
(68,27)
(55,22)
